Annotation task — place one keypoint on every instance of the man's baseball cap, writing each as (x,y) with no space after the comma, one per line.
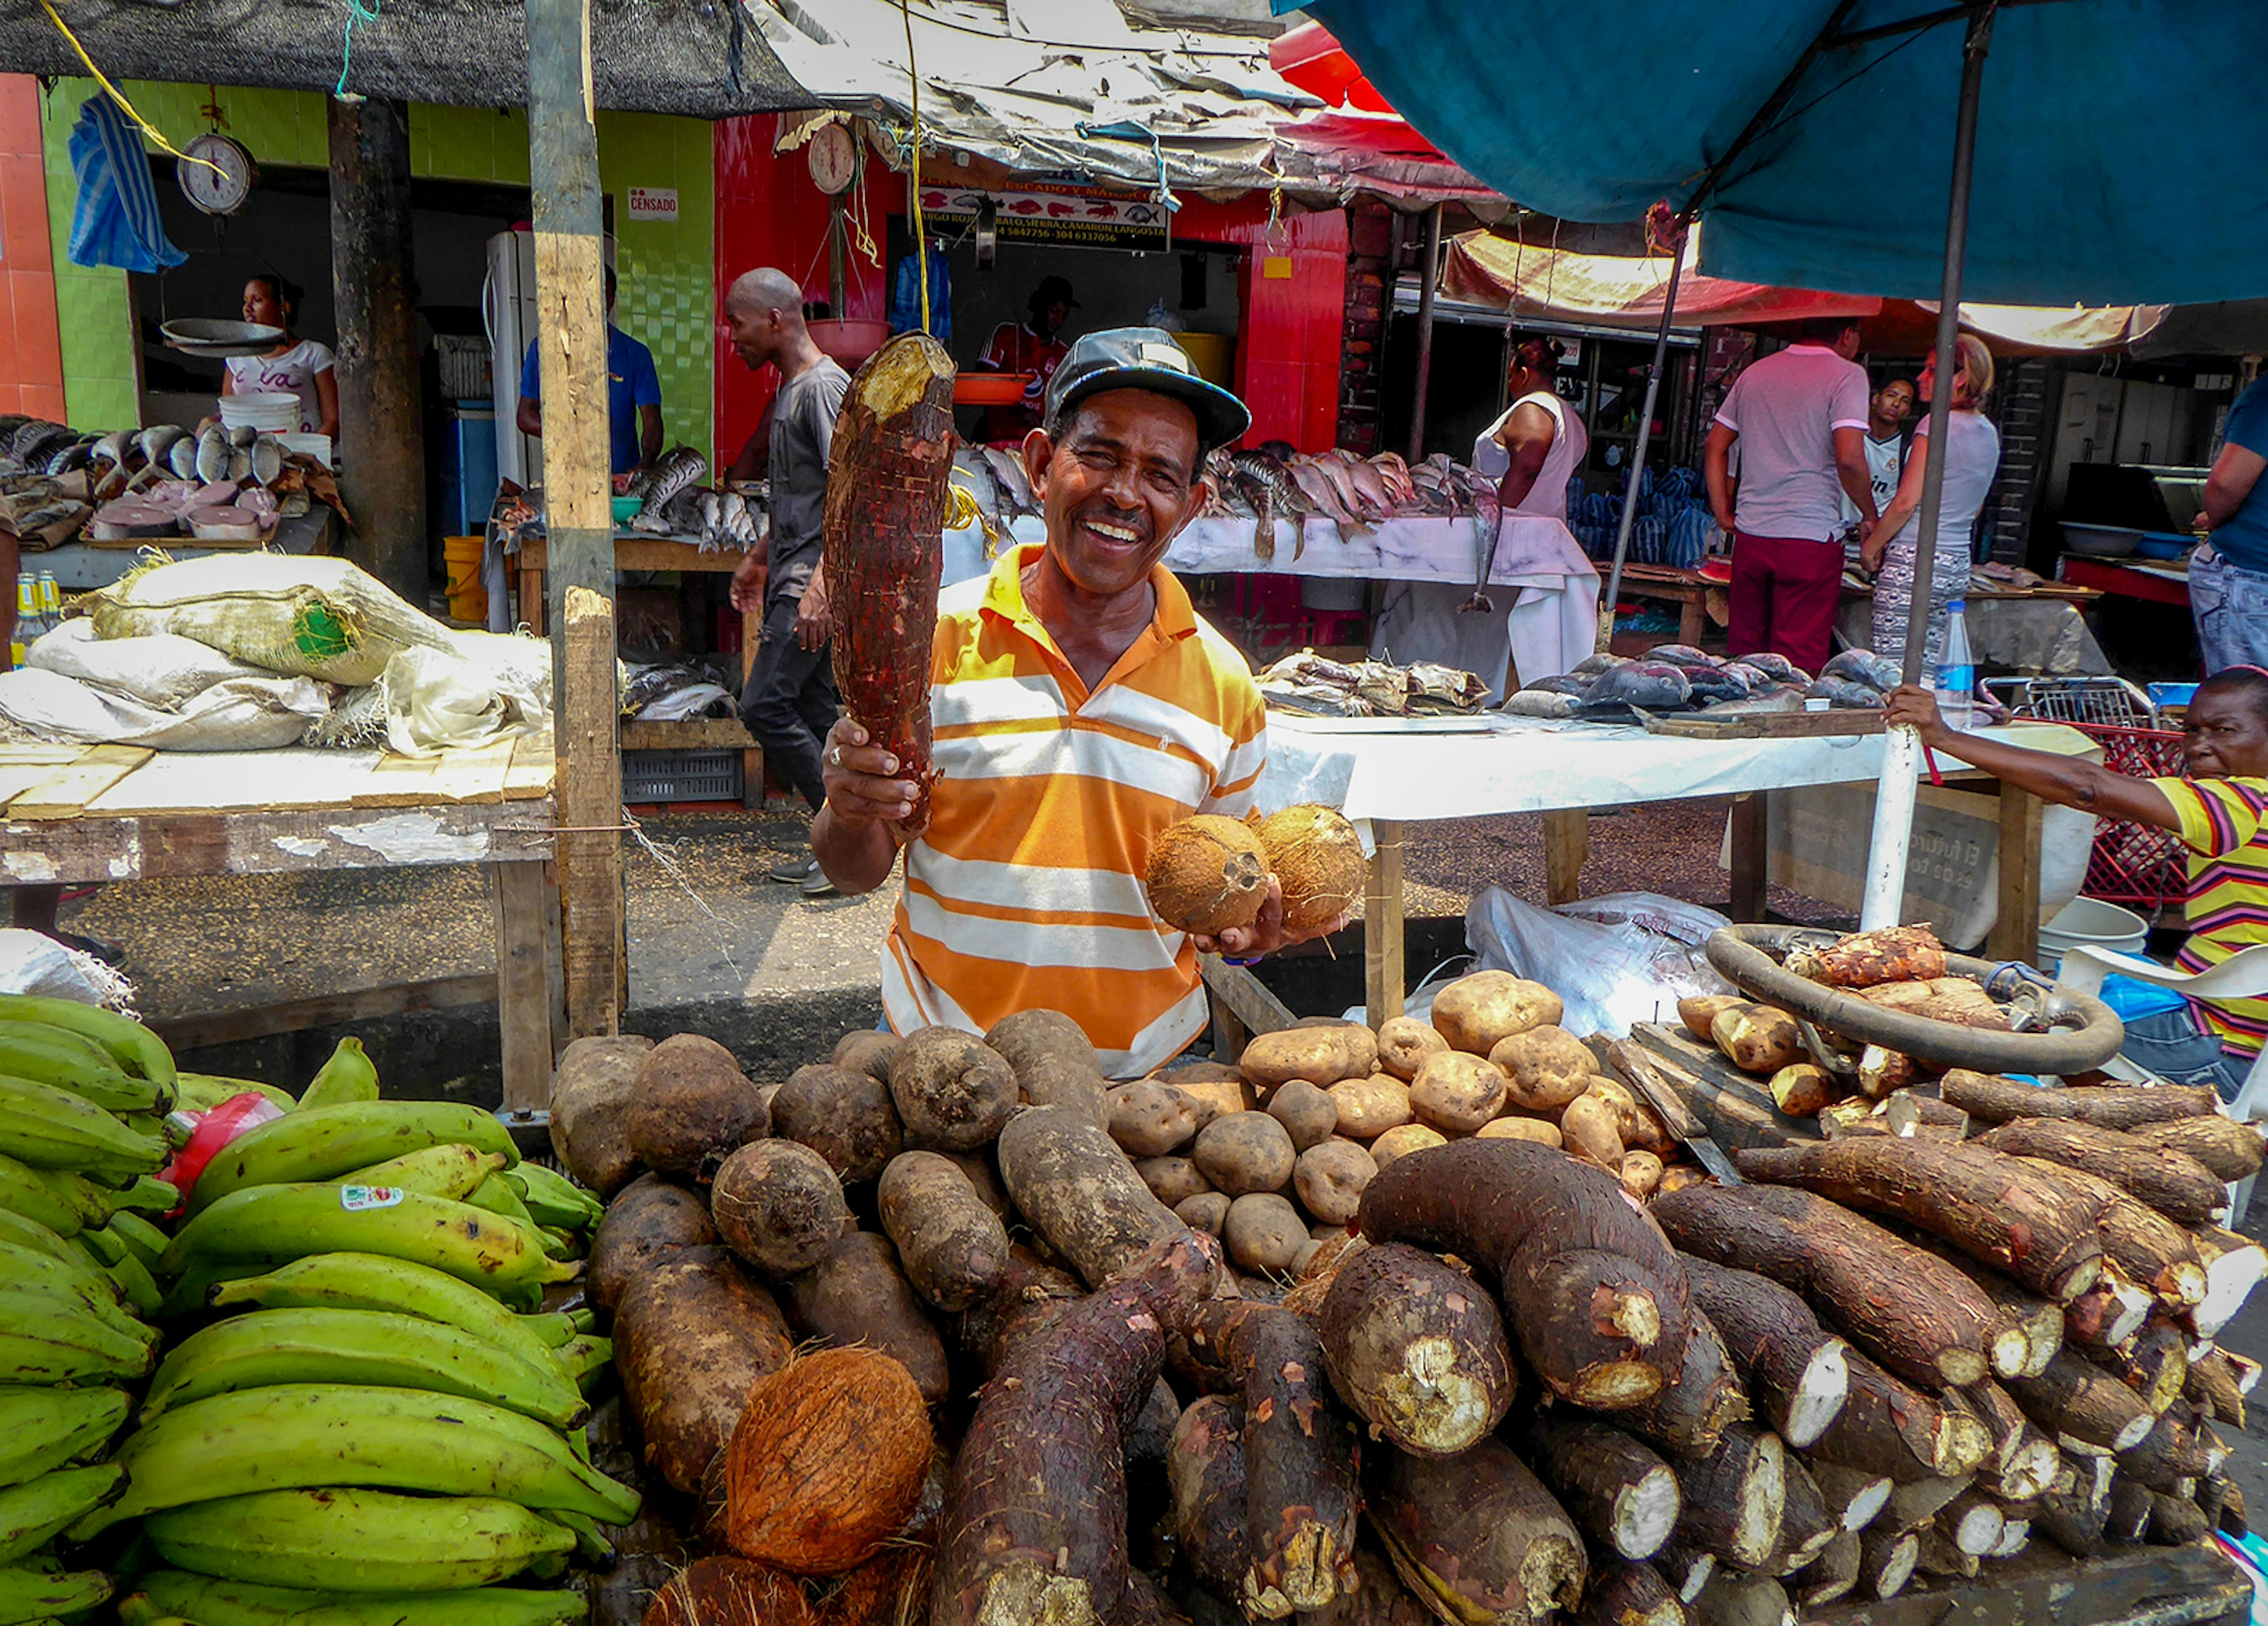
(1143,358)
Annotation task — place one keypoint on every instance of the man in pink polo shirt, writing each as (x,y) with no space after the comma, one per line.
(1800,417)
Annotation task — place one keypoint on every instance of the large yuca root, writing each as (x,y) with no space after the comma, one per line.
(1691,1414)
(1417,1348)
(2074,1396)
(2230,1150)
(1596,1296)
(1034,1524)
(1476,1536)
(1909,1310)
(2108,1105)
(1734,1498)
(2172,1181)
(1629,1594)
(886,490)
(1992,1208)
(1887,1428)
(2143,1243)
(1625,1496)
(1796,1370)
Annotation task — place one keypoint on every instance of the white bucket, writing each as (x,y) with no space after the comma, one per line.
(2093,922)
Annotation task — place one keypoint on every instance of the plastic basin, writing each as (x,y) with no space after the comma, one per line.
(849,340)
(2084,922)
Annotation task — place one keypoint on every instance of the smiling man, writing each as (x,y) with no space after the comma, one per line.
(1080,707)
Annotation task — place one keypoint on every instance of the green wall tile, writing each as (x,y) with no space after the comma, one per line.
(667,267)
(92,317)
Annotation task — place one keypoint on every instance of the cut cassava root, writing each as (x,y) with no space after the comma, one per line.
(1417,1348)
(1797,1371)
(1623,1495)
(1476,1536)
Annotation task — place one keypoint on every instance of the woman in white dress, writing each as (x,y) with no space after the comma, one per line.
(297,366)
(1972,456)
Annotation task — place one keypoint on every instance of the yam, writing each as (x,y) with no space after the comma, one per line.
(590,1101)
(1308,1114)
(1757,1039)
(865,1050)
(1027,1296)
(1417,1349)
(1625,1496)
(1316,858)
(846,1117)
(778,1206)
(1207,1212)
(1206,874)
(1322,1055)
(1803,1090)
(691,1106)
(1205,1474)
(1480,1010)
(827,1462)
(1457,1091)
(1587,1130)
(1053,1061)
(1699,1012)
(953,1092)
(1517,1126)
(721,1588)
(692,1334)
(1403,1044)
(1035,1523)
(1367,1108)
(977,1166)
(1410,1138)
(1074,1186)
(1545,1067)
(858,1294)
(648,1220)
(1172,1181)
(1245,1153)
(1148,1119)
(1477,1534)
(1330,1178)
(1263,1233)
(954,1249)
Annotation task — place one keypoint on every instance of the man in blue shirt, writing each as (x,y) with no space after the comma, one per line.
(2229,576)
(633,395)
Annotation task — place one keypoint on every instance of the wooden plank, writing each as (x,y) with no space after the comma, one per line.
(476,775)
(2015,932)
(523,982)
(705,733)
(2042,1586)
(1566,848)
(134,847)
(1746,837)
(1736,1109)
(1384,975)
(218,781)
(533,769)
(589,798)
(399,782)
(64,793)
(1769,725)
(40,756)
(200,1028)
(18,779)
(1251,1001)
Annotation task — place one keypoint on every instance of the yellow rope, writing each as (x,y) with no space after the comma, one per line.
(921,230)
(119,96)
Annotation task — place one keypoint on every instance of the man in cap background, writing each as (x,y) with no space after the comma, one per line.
(1029,346)
(1080,707)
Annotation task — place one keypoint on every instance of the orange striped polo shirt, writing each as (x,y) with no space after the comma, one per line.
(2228,907)
(1026,890)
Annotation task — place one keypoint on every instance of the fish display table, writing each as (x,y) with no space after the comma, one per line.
(1389,771)
(81,567)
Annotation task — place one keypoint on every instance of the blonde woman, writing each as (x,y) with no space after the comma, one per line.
(1972,456)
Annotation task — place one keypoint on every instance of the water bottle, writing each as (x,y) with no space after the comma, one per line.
(1956,671)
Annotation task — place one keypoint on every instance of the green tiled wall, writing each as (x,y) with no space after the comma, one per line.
(666,267)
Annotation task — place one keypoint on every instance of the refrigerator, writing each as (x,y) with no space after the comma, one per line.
(508,311)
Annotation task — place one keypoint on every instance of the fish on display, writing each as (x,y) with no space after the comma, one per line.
(1845,694)
(1755,676)
(211,460)
(677,468)
(1681,655)
(157,440)
(1015,488)
(1714,683)
(1655,686)
(1877,673)
(1591,666)
(1542,702)
(1777,666)
(111,448)
(713,521)
(266,460)
(66,456)
(1568,683)
(1776,698)
(181,458)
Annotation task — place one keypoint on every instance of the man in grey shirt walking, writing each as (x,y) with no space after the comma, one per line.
(788,702)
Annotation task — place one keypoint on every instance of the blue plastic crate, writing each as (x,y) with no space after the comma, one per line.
(681,776)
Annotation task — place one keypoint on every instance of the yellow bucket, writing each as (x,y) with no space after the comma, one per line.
(469,598)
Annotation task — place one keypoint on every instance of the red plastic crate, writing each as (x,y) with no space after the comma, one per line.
(2136,863)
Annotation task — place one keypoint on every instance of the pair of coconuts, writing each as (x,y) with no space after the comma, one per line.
(1209,872)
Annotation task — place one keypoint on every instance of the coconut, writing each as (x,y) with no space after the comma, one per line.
(691,1106)
(1206,874)
(1317,860)
(729,1592)
(827,1462)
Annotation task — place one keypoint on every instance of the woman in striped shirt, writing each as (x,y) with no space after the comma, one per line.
(2220,811)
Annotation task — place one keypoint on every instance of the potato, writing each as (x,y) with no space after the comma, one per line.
(1640,1174)
(1699,1011)
(1758,1039)
(591,1094)
(1263,1232)
(1245,1153)
(1322,1055)
(1634,1121)
(865,1052)
(1544,1068)
(1172,1181)
(953,1092)
(1542,1131)
(1457,1093)
(1367,1108)
(1803,1090)
(1477,1013)
(1210,1095)
(1149,1120)
(1207,1212)
(1588,1131)
(1330,1179)
(1410,1138)
(1307,1114)
(1403,1044)
(844,1115)
(650,1219)
(1677,1176)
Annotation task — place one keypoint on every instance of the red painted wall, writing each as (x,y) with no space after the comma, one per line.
(30,348)
(1288,354)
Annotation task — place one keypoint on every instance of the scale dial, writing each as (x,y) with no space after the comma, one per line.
(832,155)
(222,188)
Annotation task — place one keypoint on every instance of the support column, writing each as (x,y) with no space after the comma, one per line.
(381,437)
(571,345)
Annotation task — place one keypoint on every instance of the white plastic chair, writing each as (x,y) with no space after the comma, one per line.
(2243,975)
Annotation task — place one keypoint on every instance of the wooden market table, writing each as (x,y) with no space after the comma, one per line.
(1490,764)
(634,551)
(76,815)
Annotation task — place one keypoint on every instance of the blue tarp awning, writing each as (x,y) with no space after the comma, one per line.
(2121,144)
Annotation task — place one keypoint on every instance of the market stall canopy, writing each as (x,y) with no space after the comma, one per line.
(2121,114)
(1546,285)
(1078,86)
(701,61)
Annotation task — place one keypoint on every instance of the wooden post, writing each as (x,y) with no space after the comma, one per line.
(2015,932)
(1384,976)
(1566,850)
(523,982)
(381,440)
(563,149)
(1749,859)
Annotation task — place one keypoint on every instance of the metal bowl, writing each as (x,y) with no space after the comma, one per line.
(2100,542)
(208,336)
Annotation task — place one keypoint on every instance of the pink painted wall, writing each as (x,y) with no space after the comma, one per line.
(31,349)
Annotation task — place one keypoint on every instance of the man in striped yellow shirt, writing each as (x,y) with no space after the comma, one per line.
(2220,810)
(1080,707)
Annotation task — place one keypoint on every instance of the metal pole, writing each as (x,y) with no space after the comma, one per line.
(1894,799)
(1645,432)
(1425,332)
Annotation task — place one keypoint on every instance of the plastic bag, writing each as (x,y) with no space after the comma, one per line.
(483,686)
(34,963)
(1609,970)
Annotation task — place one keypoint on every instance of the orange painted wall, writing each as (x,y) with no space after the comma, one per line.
(30,350)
